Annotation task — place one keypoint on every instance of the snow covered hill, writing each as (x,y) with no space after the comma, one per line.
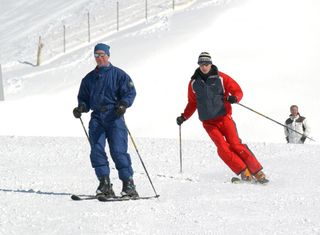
(270,47)
(38,175)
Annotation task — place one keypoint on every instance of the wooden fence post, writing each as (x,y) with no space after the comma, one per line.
(40,46)
(64,39)
(117,16)
(89,27)
(1,86)
(146,9)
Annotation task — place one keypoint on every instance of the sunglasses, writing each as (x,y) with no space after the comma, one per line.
(97,55)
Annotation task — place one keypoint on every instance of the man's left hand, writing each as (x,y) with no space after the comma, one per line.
(303,138)
(121,109)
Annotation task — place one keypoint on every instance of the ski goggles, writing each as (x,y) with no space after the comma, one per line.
(97,55)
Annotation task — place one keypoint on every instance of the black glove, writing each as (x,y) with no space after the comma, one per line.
(121,109)
(303,138)
(78,110)
(287,139)
(232,99)
(180,120)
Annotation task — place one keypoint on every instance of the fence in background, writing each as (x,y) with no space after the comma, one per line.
(99,23)
(1,86)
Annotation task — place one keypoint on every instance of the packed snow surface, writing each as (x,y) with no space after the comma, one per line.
(271,48)
(38,176)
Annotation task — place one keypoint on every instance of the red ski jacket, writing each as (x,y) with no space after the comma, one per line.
(230,87)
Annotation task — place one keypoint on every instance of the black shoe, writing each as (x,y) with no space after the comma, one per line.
(129,189)
(261,178)
(105,187)
(263,181)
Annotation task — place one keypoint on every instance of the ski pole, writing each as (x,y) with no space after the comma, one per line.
(180,149)
(273,120)
(145,169)
(85,131)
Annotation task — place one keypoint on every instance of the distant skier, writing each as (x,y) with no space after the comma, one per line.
(108,92)
(297,123)
(212,92)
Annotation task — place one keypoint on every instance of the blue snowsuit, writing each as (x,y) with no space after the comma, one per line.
(101,91)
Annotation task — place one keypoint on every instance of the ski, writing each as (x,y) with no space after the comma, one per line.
(83,197)
(106,199)
(236,180)
(119,199)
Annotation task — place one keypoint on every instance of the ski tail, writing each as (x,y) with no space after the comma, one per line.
(83,197)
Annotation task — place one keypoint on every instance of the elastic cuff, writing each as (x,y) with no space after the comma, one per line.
(124,103)
(241,171)
(257,171)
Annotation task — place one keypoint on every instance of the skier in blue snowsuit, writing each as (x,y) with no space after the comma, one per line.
(108,91)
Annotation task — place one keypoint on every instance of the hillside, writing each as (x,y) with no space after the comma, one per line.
(275,65)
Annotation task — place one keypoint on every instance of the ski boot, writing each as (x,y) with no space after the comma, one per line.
(105,188)
(129,189)
(246,175)
(261,177)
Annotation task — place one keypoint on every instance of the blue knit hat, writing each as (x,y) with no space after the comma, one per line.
(102,47)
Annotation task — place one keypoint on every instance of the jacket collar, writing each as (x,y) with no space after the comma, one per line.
(103,68)
(198,74)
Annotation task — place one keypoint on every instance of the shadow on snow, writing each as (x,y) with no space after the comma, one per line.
(35,192)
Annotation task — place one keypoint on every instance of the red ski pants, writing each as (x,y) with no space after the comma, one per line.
(236,155)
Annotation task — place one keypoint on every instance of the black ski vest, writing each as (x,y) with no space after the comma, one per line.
(209,93)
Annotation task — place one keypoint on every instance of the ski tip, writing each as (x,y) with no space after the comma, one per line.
(156,196)
(235,180)
(75,197)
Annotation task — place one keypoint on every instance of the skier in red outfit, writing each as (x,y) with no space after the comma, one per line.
(212,92)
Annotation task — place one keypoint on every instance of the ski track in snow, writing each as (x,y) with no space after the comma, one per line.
(38,177)
(39,174)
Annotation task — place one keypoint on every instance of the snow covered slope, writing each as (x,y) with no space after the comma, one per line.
(38,177)
(271,48)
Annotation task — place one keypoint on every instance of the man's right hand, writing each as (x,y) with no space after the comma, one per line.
(180,120)
(232,99)
(77,111)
